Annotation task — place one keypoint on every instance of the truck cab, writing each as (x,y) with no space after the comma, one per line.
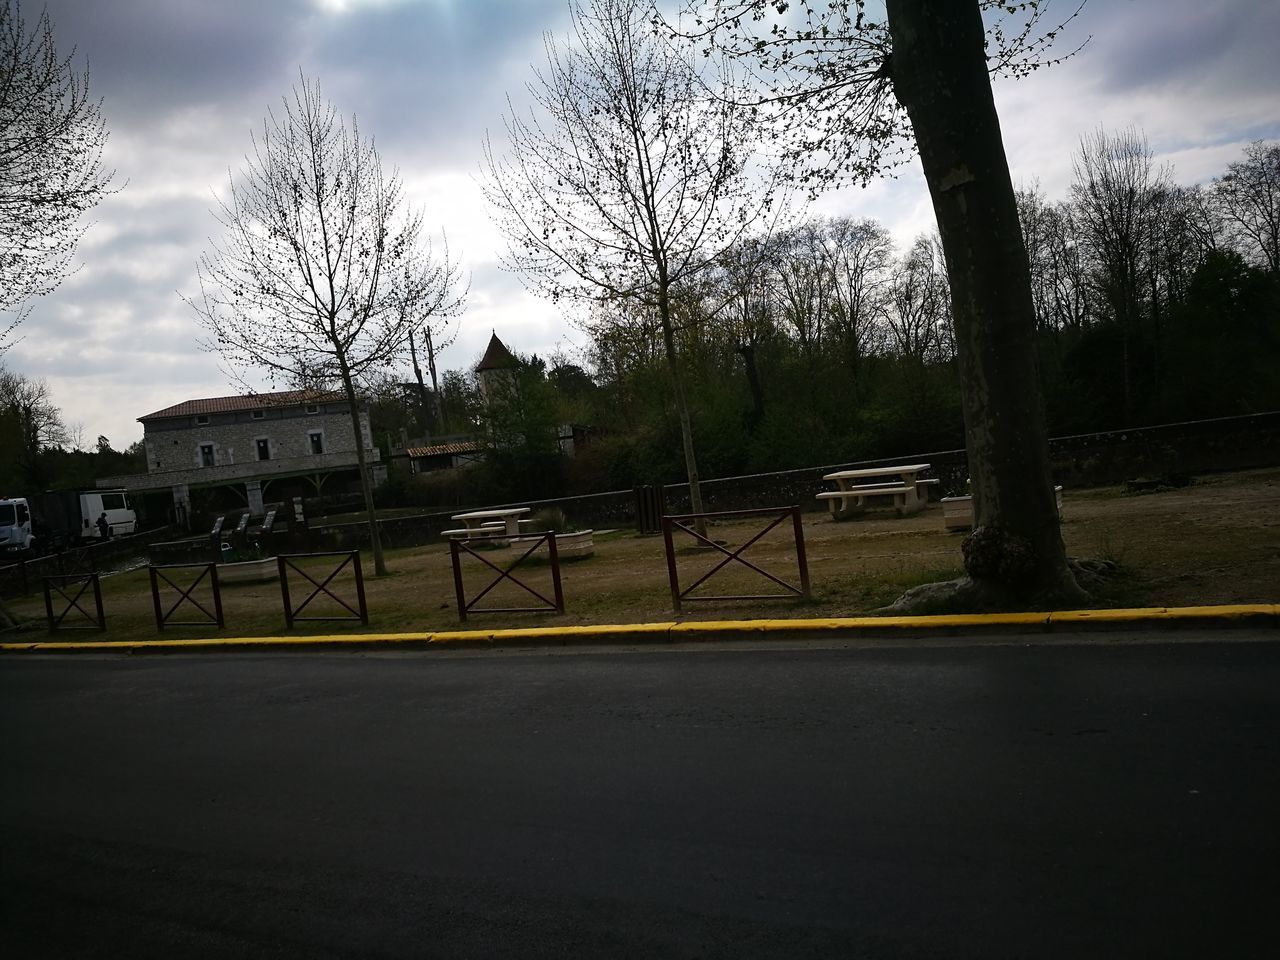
(17,538)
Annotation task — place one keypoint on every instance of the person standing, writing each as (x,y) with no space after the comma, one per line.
(104,527)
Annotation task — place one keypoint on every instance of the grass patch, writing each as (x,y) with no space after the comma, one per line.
(1203,544)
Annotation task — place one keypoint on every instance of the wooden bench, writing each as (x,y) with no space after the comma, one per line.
(476,533)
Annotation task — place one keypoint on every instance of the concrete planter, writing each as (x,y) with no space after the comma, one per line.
(569,546)
(957,512)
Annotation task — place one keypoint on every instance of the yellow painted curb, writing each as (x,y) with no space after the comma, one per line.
(673,630)
(603,631)
(1237,611)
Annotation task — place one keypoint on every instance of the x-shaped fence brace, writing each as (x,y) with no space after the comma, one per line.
(57,584)
(456,548)
(209,570)
(352,558)
(681,522)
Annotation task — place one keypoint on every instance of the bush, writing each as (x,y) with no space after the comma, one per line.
(551,518)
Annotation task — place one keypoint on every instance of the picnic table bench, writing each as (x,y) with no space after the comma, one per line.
(487,524)
(898,485)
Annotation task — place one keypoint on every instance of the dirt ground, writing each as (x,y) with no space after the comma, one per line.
(1216,541)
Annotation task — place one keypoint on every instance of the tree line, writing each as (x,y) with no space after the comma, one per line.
(825,342)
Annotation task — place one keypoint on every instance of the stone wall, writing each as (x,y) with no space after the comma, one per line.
(1196,447)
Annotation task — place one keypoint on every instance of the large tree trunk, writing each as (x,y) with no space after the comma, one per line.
(939,74)
(366,481)
(682,408)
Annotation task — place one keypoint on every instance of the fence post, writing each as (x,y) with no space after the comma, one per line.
(155,596)
(364,608)
(458,589)
(672,576)
(284,592)
(801,558)
(552,551)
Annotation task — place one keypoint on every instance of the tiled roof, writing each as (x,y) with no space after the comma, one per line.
(253,401)
(464,447)
(496,356)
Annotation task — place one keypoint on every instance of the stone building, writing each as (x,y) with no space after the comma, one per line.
(250,443)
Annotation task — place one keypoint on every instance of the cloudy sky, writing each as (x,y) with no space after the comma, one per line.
(185,82)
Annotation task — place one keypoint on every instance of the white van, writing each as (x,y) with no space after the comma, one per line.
(115,504)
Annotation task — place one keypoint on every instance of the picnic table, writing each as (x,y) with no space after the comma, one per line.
(503,522)
(899,484)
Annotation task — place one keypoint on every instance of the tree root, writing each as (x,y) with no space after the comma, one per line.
(968,594)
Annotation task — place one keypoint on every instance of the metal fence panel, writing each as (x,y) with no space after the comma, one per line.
(458,546)
(59,585)
(287,562)
(678,596)
(185,594)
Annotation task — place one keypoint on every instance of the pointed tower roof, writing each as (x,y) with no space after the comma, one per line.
(496,356)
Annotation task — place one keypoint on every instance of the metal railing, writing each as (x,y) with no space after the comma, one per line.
(163,617)
(97,619)
(359,613)
(458,546)
(779,514)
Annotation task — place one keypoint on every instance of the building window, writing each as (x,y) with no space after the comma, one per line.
(317,441)
(202,421)
(206,454)
(264,448)
(312,408)
(258,414)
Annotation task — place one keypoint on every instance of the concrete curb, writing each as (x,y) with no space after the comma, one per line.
(1258,614)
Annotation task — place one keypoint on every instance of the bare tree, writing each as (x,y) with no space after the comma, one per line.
(743,288)
(1248,199)
(433,296)
(51,140)
(1058,288)
(917,315)
(1118,193)
(627,181)
(27,407)
(804,288)
(825,75)
(307,282)
(859,261)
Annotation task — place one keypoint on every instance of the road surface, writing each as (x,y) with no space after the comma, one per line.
(789,801)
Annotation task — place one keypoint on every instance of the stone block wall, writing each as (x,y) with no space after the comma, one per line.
(174,445)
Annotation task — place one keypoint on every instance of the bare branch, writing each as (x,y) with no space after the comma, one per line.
(51,140)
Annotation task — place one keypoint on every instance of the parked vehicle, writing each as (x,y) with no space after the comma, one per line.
(60,518)
(17,534)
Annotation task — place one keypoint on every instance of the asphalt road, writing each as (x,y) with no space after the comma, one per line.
(1064,801)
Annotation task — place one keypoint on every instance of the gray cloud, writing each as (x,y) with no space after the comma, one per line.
(185,82)
(1223,48)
